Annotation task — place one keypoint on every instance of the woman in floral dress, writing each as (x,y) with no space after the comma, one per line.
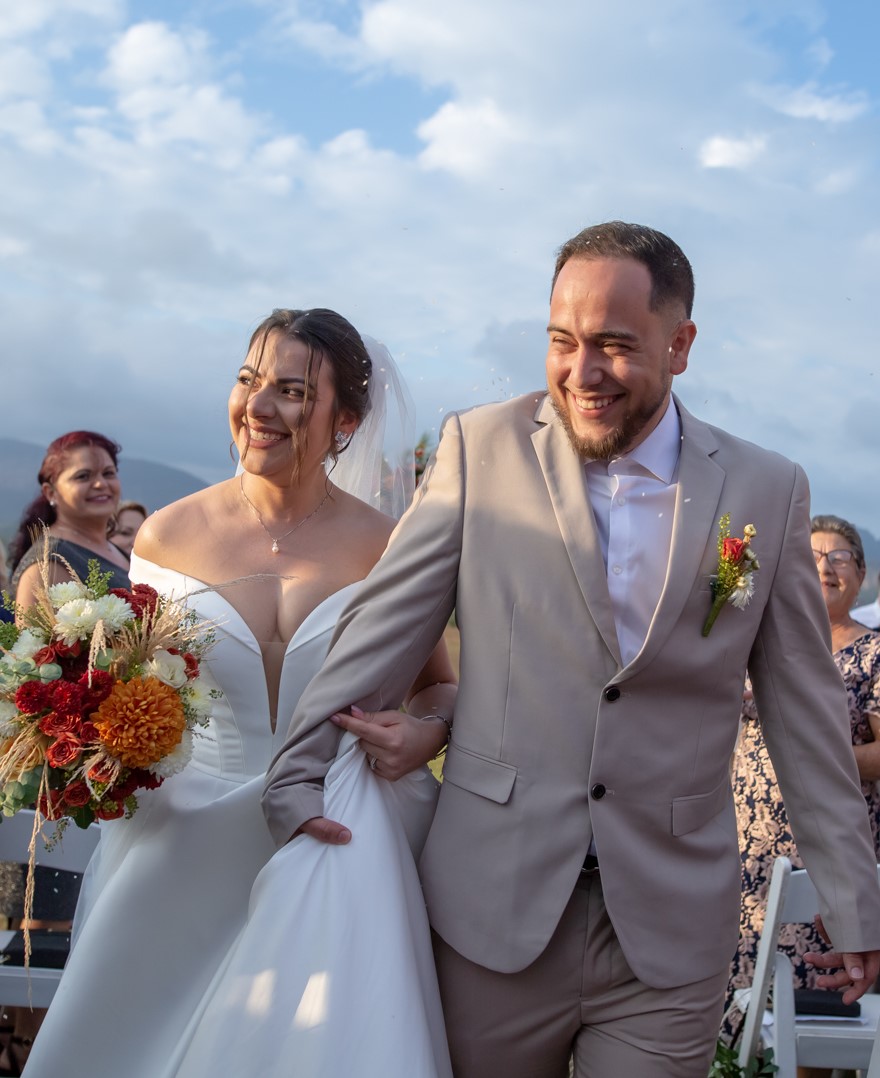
(764,832)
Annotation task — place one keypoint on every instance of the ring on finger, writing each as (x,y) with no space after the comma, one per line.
(372,761)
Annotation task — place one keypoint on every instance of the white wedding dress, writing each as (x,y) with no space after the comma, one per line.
(201,952)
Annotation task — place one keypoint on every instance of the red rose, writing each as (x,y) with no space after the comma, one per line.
(731,549)
(67,651)
(124,787)
(98,685)
(101,772)
(54,725)
(68,698)
(110,810)
(64,751)
(146,779)
(32,697)
(50,804)
(45,655)
(88,732)
(77,794)
(191,663)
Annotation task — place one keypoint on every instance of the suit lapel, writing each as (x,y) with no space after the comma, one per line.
(564,476)
(695,524)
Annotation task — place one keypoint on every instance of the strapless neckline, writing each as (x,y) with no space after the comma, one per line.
(312,624)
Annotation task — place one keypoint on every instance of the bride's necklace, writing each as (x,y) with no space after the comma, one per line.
(258,515)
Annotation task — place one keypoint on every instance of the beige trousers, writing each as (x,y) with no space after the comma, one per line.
(578,998)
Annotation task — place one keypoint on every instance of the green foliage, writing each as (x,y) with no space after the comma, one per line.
(97,582)
(725,1064)
(9,633)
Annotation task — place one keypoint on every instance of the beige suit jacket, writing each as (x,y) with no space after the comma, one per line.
(555,742)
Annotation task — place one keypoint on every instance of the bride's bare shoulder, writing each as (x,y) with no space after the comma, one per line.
(173,529)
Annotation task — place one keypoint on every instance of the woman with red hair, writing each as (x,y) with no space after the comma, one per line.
(79,495)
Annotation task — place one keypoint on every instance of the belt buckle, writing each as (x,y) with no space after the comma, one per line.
(590,865)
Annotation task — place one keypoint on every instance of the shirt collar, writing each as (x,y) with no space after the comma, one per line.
(658,454)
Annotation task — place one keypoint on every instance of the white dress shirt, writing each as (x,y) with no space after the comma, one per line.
(633,500)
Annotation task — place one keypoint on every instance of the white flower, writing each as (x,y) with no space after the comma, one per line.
(745,586)
(198,696)
(76,620)
(113,611)
(176,760)
(66,591)
(8,712)
(29,642)
(171,669)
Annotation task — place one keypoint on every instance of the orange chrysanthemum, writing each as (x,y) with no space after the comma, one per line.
(141,721)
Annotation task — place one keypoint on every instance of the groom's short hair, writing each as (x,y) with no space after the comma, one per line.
(672,278)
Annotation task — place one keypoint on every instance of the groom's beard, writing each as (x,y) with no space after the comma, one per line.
(616,441)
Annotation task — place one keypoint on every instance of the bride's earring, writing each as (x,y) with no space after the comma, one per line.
(341,439)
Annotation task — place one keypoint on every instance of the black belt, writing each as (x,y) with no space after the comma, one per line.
(591,863)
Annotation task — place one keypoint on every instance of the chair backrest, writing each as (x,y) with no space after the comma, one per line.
(792,899)
(765,960)
(35,987)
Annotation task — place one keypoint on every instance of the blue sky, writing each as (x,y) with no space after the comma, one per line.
(170,172)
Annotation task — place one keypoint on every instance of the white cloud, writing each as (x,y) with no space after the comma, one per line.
(808,102)
(22,74)
(719,151)
(467,139)
(820,52)
(169,183)
(163,91)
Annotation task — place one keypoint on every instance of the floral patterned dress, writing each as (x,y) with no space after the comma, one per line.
(762,822)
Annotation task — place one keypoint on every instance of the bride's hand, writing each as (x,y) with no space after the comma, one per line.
(395,743)
(324,830)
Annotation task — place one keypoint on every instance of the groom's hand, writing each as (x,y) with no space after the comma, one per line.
(856,971)
(395,743)
(324,830)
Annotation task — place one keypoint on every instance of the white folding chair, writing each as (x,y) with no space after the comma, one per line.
(845,1044)
(71,853)
(874,1068)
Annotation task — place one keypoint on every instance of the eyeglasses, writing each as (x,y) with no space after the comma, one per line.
(836,558)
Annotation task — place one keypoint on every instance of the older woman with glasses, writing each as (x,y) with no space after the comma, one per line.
(763,825)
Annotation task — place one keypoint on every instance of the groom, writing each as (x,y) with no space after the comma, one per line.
(582,873)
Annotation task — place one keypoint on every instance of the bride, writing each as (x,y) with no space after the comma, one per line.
(198,953)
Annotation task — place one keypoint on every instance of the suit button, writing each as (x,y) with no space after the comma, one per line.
(612,693)
(598,791)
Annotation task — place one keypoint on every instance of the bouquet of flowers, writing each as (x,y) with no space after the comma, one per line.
(100,694)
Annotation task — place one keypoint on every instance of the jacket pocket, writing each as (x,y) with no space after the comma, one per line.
(689,813)
(479,774)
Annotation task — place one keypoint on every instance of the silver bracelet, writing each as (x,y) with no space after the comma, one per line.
(442,718)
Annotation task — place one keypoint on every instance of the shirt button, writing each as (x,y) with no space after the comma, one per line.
(617,569)
(612,693)
(621,500)
(597,792)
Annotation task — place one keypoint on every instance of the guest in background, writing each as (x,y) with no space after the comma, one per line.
(129,517)
(869,614)
(764,832)
(79,496)
(5,615)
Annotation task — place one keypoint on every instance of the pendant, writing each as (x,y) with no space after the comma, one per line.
(274,546)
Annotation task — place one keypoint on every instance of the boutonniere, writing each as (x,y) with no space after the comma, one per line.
(734,579)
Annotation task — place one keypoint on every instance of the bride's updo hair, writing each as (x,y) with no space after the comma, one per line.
(327,336)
